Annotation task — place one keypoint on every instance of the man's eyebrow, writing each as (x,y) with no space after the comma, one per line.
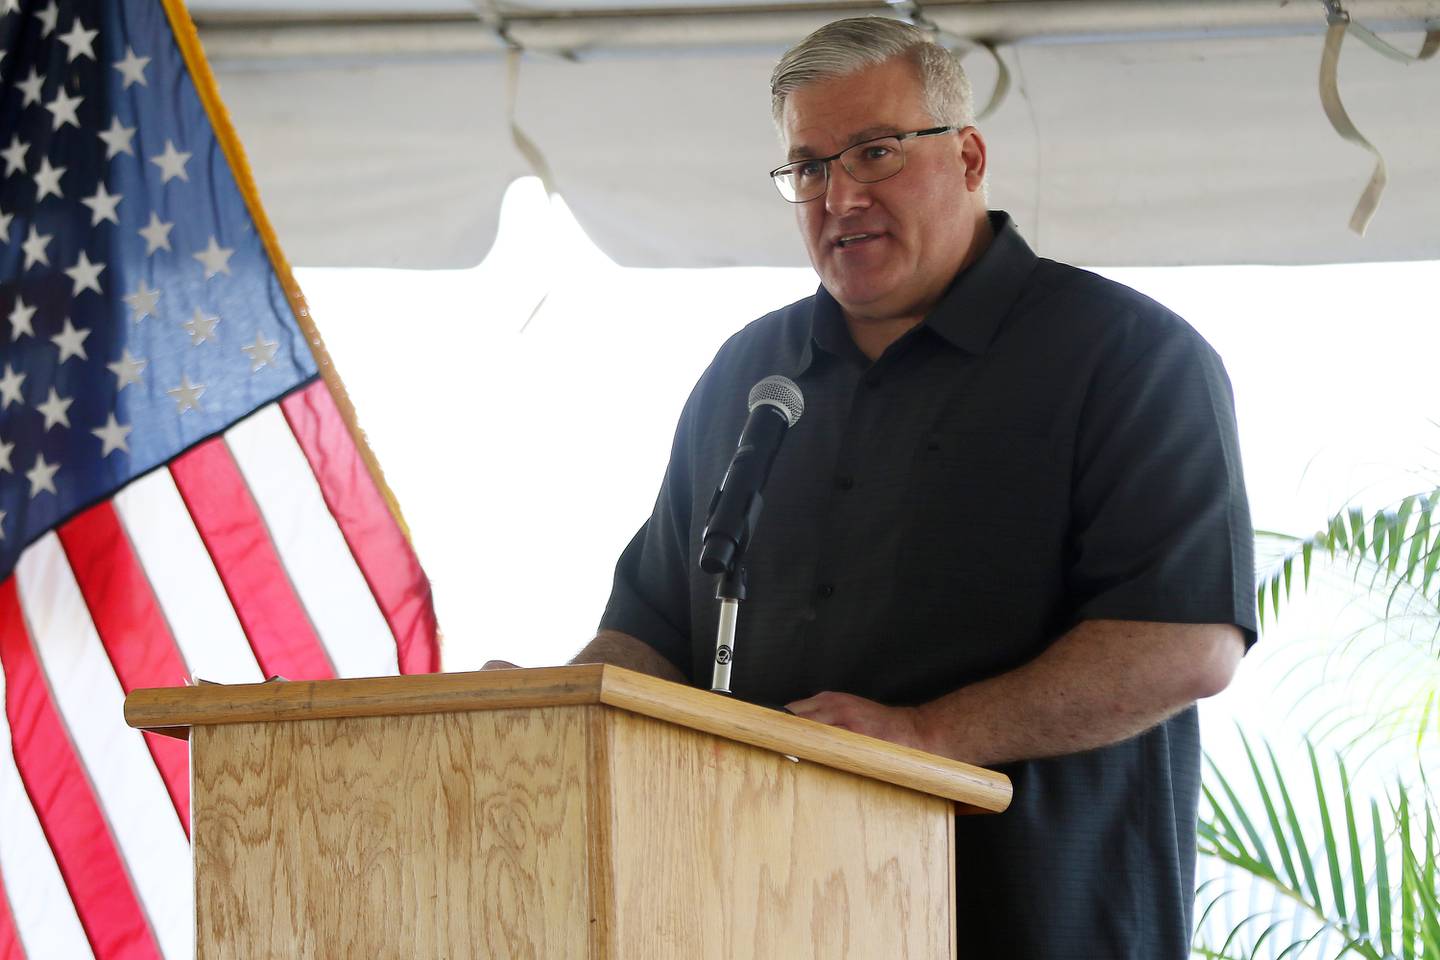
(802,152)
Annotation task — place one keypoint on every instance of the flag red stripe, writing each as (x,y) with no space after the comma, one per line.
(380,548)
(65,803)
(234,533)
(10,948)
(132,628)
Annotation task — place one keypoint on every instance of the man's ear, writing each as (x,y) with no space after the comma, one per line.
(972,154)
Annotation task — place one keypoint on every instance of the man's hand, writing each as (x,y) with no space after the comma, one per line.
(900,725)
(499,665)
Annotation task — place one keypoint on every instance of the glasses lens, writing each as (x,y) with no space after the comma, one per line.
(874,160)
(800,181)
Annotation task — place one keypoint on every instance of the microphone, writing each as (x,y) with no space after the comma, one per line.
(775,405)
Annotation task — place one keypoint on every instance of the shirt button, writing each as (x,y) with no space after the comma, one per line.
(844,483)
(826,591)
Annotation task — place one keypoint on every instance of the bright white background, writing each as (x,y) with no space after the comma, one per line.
(525,456)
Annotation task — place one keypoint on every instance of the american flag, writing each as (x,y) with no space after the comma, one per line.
(181,494)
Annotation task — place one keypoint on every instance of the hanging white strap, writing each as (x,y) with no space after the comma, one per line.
(1340,120)
(1340,24)
(1002,82)
(523,143)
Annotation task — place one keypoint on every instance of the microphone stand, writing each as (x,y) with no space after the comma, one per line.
(729,590)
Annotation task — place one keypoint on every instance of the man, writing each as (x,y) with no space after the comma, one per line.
(1010,527)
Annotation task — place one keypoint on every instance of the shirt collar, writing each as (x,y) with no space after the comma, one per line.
(967,316)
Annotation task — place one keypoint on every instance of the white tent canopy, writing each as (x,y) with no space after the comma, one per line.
(1133,132)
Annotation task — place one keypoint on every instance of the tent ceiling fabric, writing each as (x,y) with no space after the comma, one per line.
(1134,133)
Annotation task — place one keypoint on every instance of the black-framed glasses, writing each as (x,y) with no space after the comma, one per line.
(869,161)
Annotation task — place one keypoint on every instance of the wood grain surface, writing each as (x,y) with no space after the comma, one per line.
(458,835)
(724,851)
(973,789)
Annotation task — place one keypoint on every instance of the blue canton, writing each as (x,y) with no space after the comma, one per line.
(139,311)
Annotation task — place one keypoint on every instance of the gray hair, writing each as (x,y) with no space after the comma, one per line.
(845,46)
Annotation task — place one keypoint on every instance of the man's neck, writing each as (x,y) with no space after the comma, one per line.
(874,337)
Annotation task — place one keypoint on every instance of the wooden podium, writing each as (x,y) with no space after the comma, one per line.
(569,812)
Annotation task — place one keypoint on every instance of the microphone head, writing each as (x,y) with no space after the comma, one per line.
(782,394)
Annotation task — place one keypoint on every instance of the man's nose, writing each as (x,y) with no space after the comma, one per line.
(844,193)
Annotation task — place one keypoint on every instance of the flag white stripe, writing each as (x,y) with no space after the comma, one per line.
(185,582)
(45,919)
(90,701)
(311,546)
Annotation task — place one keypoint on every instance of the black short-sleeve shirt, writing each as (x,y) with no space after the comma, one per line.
(1046,447)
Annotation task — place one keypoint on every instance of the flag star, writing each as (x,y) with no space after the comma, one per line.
(102,204)
(14,155)
(5,450)
(127,370)
(142,302)
(156,234)
(5,219)
(132,68)
(117,139)
(41,476)
(261,352)
(71,342)
(85,274)
(2,524)
(47,180)
(200,327)
(62,108)
(55,410)
(48,18)
(10,387)
(171,163)
(34,247)
(30,86)
(215,258)
(112,436)
(9,6)
(20,316)
(79,41)
(187,395)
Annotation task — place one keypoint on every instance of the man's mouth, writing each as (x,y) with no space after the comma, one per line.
(851,239)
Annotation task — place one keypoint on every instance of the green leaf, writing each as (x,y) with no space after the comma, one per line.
(1377,535)
(1407,881)
(1417,544)
(1357,865)
(1332,854)
(1383,892)
(1289,562)
(1260,604)
(1276,830)
(1258,852)
(1294,821)
(1357,529)
(1305,551)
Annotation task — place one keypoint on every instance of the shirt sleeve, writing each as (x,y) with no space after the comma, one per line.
(1162,527)
(650,598)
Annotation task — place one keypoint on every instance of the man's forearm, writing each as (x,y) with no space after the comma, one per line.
(1103,682)
(623,650)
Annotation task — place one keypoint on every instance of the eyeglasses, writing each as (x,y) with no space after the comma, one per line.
(869,161)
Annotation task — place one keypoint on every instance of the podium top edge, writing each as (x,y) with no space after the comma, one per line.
(173,710)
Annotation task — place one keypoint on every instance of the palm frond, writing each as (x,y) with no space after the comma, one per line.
(1399,548)
(1381,899)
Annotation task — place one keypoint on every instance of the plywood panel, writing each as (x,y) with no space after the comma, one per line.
(394,837)
(726,851)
